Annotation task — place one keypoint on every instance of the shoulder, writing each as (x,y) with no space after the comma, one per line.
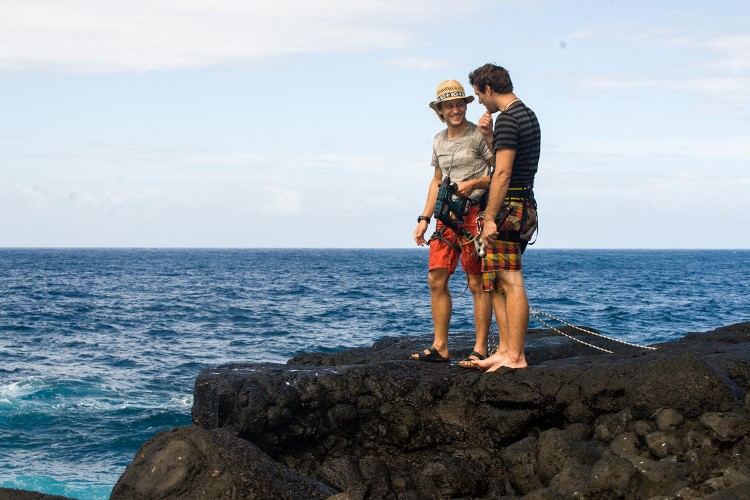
(507,117)
(523,107)
(525,118)
(522,112)
(473,131)
(505,121)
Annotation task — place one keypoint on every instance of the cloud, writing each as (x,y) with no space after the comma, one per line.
(420,63)
(718,64)
(734,52)
(88,36)
(370,203)
(730,52)
(587,33)
(730,89)
(282,201)
(62,194)
(727,149)
(664,37)
(32,192)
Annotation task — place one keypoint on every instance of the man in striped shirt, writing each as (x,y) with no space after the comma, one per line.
(510,217)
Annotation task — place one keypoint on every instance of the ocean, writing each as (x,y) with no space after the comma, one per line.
(99,348)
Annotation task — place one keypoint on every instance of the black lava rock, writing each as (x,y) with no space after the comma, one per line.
(369,423)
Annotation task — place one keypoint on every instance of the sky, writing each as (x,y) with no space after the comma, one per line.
(305,123)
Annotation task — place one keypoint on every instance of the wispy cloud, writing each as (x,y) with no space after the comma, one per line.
(732,89)
(272,184)
(730,149)
(87,36)
(734,52)
(282,201)
(720,65)
(587,34)
(663,36)
(730,52)
(420,63)
(60,195)
(32,192)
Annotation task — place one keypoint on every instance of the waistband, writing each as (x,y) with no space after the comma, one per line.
(520,193)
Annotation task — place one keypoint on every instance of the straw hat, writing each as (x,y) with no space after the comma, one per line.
(449,90)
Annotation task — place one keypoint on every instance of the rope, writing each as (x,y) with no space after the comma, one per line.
(585,331)
(467,287)
(565,334)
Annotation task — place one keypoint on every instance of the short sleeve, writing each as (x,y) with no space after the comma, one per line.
(484,149)
(435,146)
(506,133)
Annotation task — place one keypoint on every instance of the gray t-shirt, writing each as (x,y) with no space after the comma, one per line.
(463,158)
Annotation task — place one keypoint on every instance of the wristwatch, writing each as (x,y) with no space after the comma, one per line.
(423,217)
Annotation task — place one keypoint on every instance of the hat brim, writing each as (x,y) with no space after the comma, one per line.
(467,99)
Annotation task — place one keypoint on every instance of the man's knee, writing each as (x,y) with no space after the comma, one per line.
(512,278)
(475,283)
(437,279)
(510,282)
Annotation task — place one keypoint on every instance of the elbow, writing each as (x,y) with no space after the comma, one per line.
(501,177)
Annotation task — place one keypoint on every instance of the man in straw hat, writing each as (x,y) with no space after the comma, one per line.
(510,218)
(462,153)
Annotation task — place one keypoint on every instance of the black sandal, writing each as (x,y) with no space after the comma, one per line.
(432,356)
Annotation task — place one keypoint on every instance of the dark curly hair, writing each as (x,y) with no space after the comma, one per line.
(493,75)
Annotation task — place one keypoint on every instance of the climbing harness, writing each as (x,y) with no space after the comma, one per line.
(524,195)
(523,236)
(456,246)
(438,235)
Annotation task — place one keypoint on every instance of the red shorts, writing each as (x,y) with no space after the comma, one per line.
(444,252)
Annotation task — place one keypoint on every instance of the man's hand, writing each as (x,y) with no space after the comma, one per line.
(489,232)
(465,188)
(485,124)
(419,233)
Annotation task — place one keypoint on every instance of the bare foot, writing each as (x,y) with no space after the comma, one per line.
(506,363)
(469,362)
(484,364)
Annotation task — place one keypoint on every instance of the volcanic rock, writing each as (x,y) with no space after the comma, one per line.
(369,423)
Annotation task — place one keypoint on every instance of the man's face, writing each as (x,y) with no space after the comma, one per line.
(454,111)
(484,99)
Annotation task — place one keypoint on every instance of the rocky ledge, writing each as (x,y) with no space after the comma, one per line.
(367,423)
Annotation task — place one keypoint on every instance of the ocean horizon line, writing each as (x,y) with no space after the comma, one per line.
(638,249)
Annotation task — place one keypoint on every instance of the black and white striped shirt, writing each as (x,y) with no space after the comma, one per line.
(517,128)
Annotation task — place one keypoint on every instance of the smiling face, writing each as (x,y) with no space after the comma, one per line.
(453,112)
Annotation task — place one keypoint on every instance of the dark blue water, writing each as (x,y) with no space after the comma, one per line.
(99,348)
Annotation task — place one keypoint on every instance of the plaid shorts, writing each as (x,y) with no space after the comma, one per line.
(506,255)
